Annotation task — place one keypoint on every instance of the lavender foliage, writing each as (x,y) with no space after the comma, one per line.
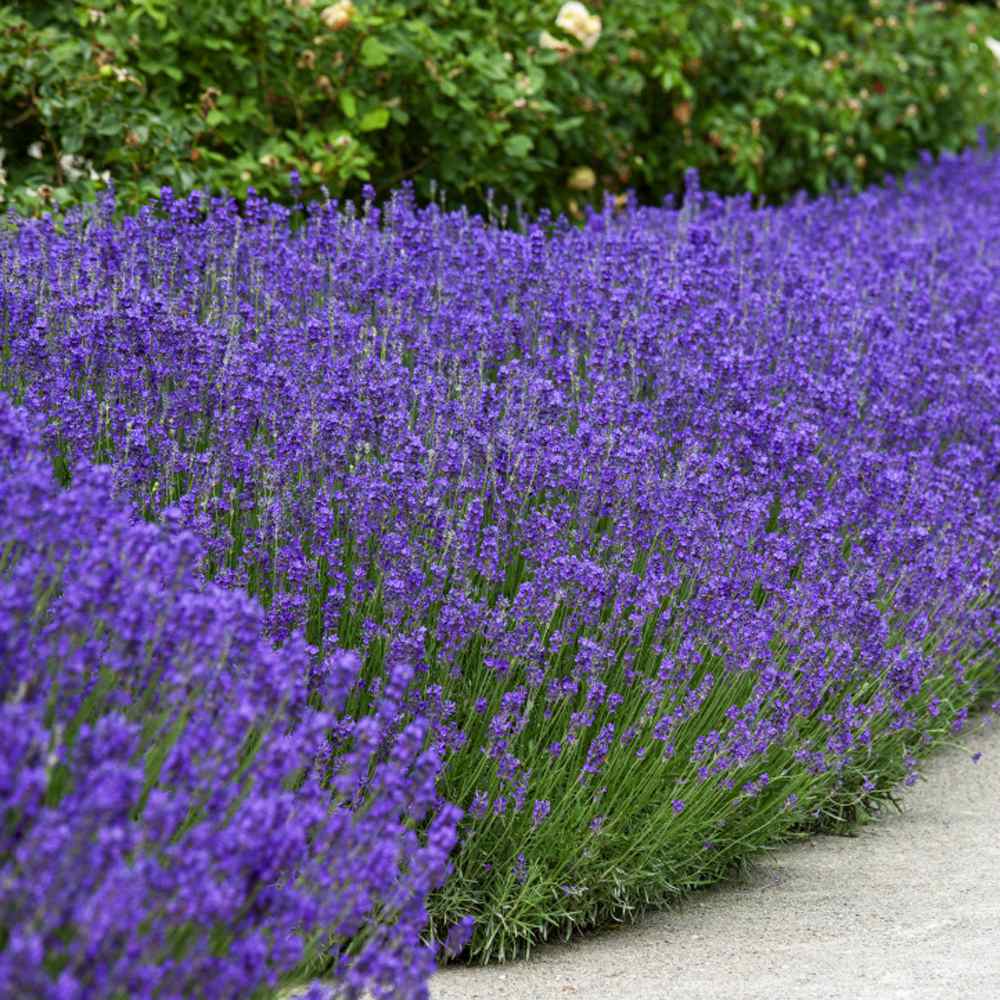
(677,530)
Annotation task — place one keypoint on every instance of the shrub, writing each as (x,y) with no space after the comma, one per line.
(770,97)
(173,820)
(685,521)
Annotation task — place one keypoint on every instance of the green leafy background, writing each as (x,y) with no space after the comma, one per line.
(766,97)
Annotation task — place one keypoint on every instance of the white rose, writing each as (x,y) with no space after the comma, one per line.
(994,46)
(577,21)
(549,41)
(581,179)
(339,15)
(70,166)
(35,151)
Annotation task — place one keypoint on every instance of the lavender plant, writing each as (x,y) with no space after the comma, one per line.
(174,820)
(683,521)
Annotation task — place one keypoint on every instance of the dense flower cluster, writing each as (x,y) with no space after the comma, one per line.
(683,523)
(169,827)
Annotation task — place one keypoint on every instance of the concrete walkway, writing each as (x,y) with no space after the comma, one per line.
(907,910)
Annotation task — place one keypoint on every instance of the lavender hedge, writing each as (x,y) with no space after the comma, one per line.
(677,532)
(174,822)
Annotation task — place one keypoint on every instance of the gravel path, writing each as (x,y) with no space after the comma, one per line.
(907,910)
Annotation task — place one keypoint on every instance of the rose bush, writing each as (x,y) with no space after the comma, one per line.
(761,95)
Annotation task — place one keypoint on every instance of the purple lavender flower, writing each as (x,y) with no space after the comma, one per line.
(541,809)
(521,868)
(458,936)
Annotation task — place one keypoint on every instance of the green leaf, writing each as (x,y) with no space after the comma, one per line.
(64,52)
(374,53)
(518,146)
(671,77)
(567,124)
(375,119)
(348,103)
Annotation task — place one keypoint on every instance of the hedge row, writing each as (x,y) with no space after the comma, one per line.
(551,106)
